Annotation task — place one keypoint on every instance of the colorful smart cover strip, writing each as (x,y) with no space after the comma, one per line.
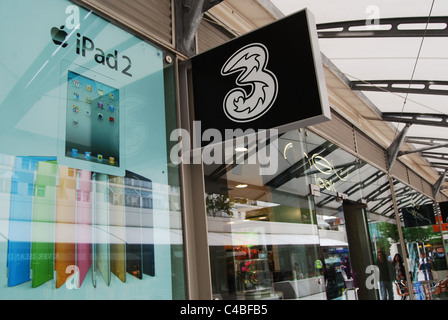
(101,227)
(42,245)
(117,227)
(65,232)
(139,242)
(83,224)
(147,227)
(133,225)
(61,218)
(20,218)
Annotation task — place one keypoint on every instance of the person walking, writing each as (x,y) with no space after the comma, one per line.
(386,276)
(425,267)
(399,269)
(399,274)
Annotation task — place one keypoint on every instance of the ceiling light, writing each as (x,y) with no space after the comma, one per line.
(240,149)
(240,186)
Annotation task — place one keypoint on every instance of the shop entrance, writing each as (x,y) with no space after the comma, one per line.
(359,243)
(345,250)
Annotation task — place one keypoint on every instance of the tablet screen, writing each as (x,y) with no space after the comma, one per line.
(92,121)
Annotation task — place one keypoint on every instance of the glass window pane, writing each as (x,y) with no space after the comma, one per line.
(263,239)
(424,242)
(90,203)
(309,230)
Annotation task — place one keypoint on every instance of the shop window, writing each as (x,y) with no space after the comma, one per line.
(311,230)
(89,197)
(282,235)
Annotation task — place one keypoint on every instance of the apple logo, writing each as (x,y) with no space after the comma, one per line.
(58,35)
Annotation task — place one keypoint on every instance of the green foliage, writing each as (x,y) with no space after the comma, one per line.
(418,234)
(415,234)
(218,203)
(389,230)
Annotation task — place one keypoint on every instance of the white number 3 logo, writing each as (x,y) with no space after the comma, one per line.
(250,61)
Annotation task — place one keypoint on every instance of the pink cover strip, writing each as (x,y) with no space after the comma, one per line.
(84,222)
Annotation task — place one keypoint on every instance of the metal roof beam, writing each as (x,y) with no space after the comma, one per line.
(428,119)
(435,155)
(438,185)
(390,27)
(439,165)
(436,87)
(394,148)
(430,141)
(402,153)
(430,144)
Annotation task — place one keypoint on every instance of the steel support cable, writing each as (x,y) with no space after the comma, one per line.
(416,62)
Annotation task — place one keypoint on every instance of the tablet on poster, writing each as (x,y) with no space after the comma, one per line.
(91,121)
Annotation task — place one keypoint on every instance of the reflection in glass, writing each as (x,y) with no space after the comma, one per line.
(263,238)
(425,257)
(315,226)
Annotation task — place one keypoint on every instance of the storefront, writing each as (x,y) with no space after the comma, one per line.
(94,205)
(286,233)
(313,231)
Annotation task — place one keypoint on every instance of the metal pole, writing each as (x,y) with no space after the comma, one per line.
(197,258)
(401,237)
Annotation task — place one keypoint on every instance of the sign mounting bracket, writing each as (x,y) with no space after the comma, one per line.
(188,15)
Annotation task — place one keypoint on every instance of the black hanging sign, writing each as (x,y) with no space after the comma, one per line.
(418,216)
(269,78)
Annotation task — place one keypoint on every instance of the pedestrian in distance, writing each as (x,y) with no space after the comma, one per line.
(386,276)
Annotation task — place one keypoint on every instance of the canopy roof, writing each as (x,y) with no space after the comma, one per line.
(395,53)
